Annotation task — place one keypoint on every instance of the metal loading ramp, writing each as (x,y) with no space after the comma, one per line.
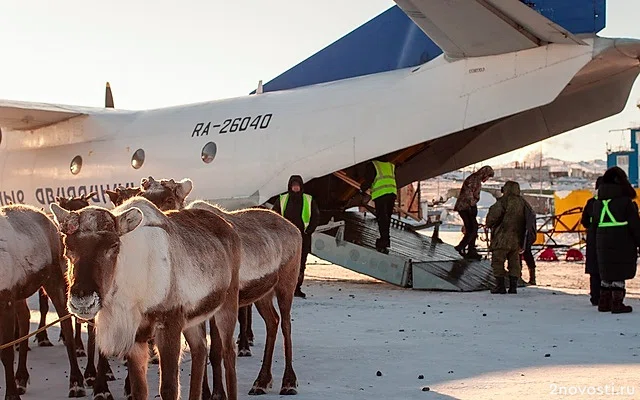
(414,260)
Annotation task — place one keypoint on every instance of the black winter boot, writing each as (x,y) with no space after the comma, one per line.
(500,288)
(513,284)
(604,303)
(617,307)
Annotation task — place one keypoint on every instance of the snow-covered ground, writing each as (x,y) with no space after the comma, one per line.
(537,344)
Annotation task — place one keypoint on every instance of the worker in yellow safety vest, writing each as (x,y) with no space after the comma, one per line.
(301,210)
(380,177)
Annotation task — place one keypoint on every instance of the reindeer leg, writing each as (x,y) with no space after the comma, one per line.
(285,300)
(137,363)
(215,357)
(127,384)
(196,337)
(250,336)
(243,342)
(225,318)
(267,311)
(42,338)
(168,342)
(78,338)
(55,287)
(22,374)
(100,387)
(153,354)
(16,333)
(8,319)
(90,370)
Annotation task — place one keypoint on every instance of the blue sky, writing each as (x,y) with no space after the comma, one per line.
(161,53)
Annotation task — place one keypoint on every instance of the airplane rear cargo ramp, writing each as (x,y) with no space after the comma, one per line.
(414,260)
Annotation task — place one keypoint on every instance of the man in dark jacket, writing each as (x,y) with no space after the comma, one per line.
(591,264)
(506,219)
(467,206)
(302,210)
(380,177)
(617,238)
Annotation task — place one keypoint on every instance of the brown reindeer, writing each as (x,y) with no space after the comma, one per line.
(143,273)
(271,248)
(117,197)
(120,195)
(30,258)
(71,204)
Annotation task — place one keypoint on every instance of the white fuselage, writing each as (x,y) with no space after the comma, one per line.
(311,131)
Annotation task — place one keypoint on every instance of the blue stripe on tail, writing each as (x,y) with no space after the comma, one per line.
(392,41)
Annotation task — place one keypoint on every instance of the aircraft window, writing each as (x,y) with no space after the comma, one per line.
(209,152)
(138,159)
(76,165)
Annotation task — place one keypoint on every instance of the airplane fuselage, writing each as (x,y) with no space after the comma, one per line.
(260,140)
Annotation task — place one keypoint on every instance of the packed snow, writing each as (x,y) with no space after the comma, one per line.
(537,344)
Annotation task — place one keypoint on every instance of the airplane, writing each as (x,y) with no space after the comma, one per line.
(435,85)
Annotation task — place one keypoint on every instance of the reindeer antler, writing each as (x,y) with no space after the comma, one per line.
(146,182)
(89,195)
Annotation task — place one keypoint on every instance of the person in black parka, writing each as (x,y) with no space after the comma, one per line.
(617,238)
(291,205)
(591,264)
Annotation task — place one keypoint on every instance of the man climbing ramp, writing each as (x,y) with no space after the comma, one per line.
(467,206)
(381,178)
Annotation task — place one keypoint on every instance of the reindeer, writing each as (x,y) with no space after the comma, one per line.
(140,272)
(245,335)
(30,258)
(71,204)
(121,194)
(117,197)
(271,248)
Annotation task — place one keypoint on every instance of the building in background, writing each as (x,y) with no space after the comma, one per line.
(625,156)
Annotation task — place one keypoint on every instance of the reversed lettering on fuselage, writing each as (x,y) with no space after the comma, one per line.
(47,195)
(232,125)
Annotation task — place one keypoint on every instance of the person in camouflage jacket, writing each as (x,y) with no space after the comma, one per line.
(506,219)
(467,206)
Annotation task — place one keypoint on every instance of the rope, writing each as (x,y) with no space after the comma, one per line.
(22,339)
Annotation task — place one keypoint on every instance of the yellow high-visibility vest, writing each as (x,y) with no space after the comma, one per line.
(385,181)
(306,207)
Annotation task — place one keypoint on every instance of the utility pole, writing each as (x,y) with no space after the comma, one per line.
(540,169)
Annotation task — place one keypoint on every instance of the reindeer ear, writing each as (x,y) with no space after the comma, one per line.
(144,183)
(184,187)
(59,213)
(90,195)
(129,220)
(67,221)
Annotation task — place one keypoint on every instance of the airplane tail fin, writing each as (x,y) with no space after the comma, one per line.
(393,41)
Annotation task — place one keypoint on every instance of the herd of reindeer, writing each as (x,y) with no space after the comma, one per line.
(142,274)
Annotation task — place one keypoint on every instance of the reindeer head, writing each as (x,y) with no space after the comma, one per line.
(120,195)
(75,203)
(166,194)
(91,239)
